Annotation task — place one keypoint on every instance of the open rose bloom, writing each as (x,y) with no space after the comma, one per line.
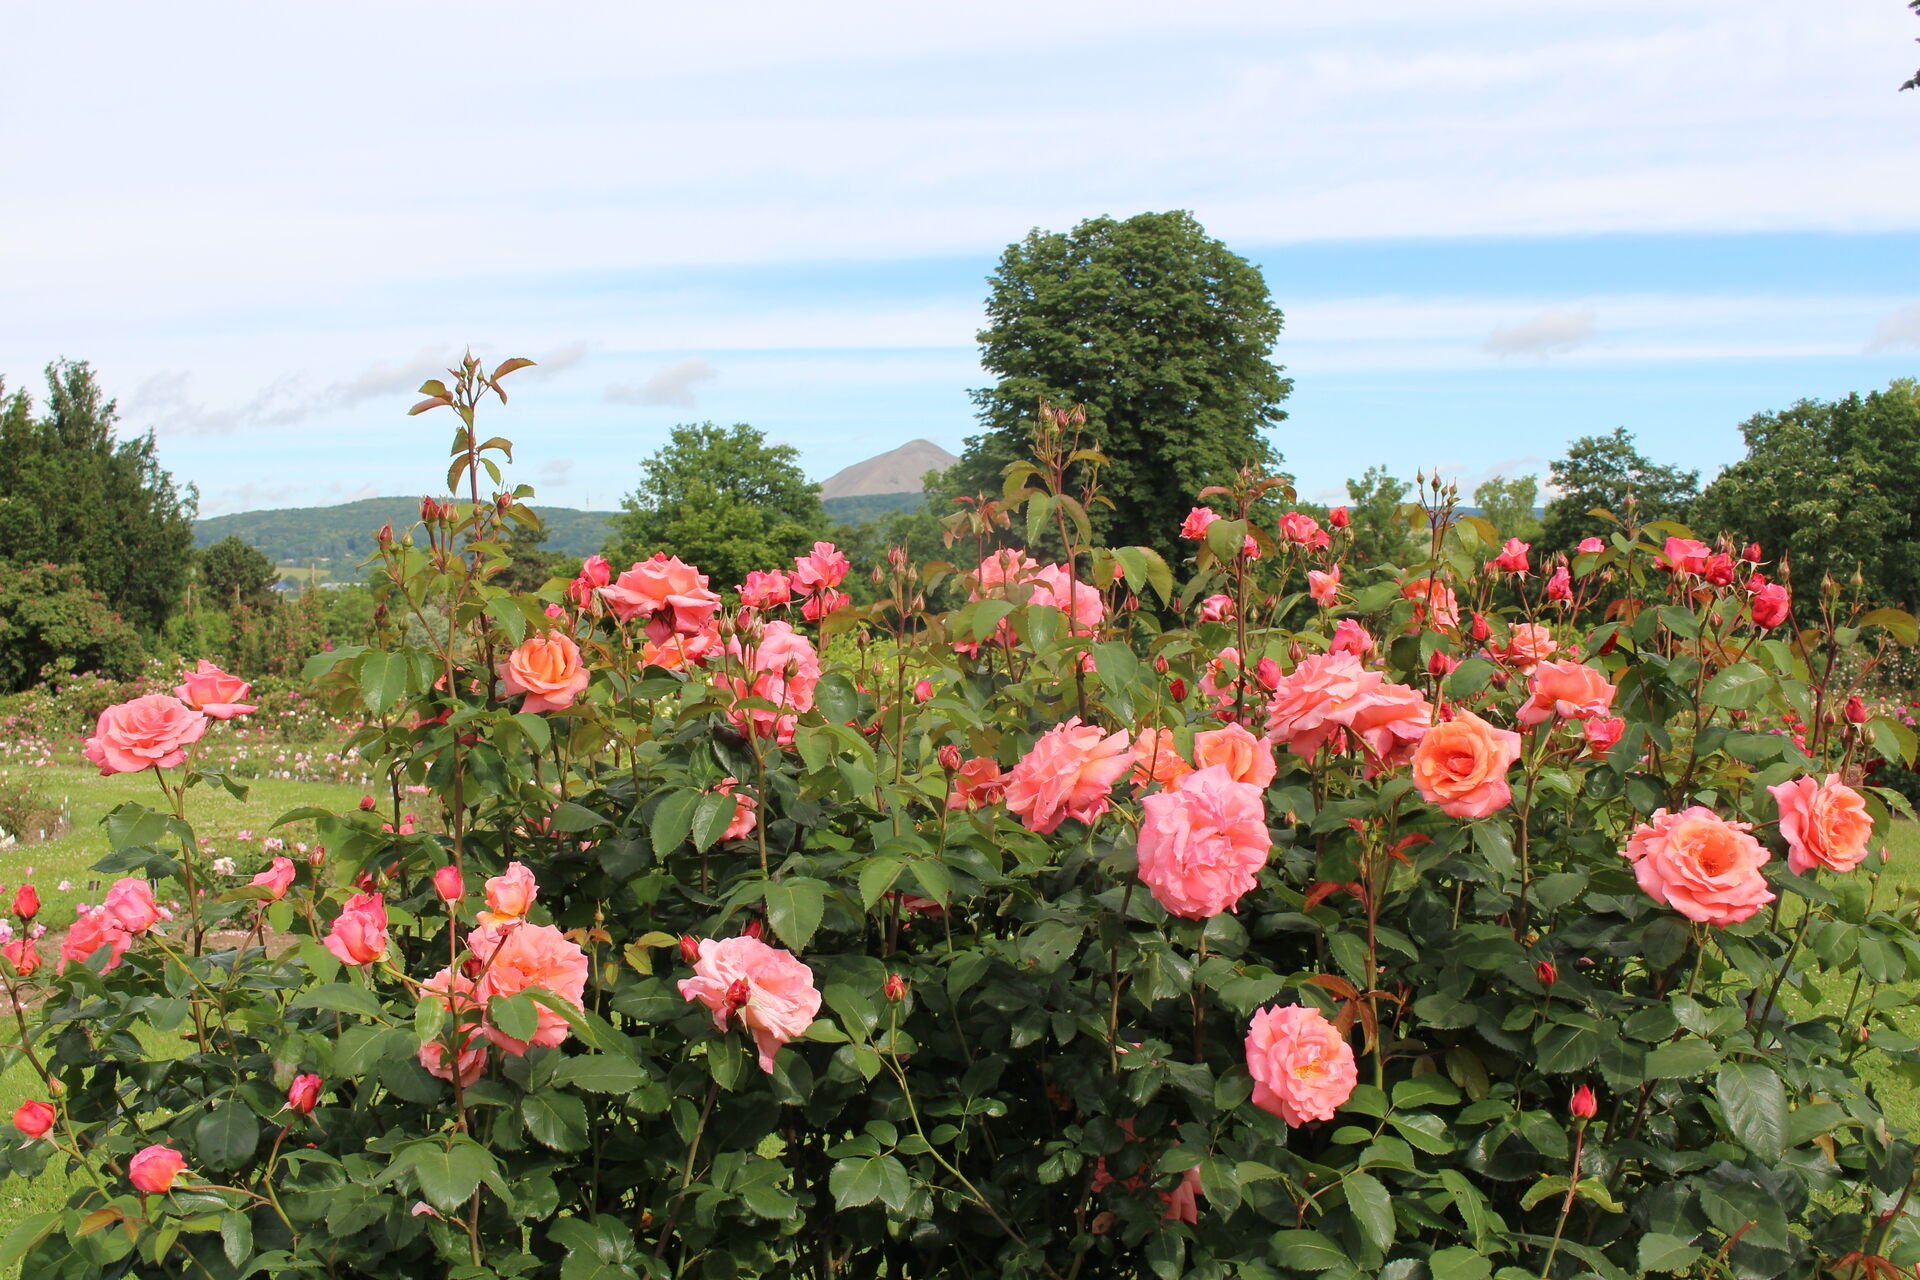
(1303,1070)
(1701,865)
(766,989)
(151,732)
(1203,843)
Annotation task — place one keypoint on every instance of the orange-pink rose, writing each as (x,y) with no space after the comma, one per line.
(1069,773)
(277,878)
(1701,865)
(454,992)
(359,932)
(213,691)
(529,957)
(1302,1068)
(821,569)
(1246,758)
(130,906)
(1567,689)
(150,732)
(1203,843)
(977,782)
(1317,699)
(1051,586)
(669,593)
(780,1000)
(1157,759)
(87,935)
(153,1169)
(1461,766)
(547,669)
(510,894)
(1390,724)
(1530,644)
(745,817)
(1825,824)
(1431,593)
(1324,586)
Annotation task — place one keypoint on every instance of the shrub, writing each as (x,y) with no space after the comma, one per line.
(48,614)
(1047,934)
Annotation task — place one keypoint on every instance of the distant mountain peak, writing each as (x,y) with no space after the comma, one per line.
(895,471)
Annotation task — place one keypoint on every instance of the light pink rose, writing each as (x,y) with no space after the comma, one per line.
(1529,644)
(130,905)
(1216,608)
(779,1002)
(666,591)
(277,878)
(1182,1203)
(821,569)
(1825,824)
(1684,555)
(153,1169)
(1590,546)
(784,669)
(765,588)
(359,933)
(1051,586)
(1425,592)
(150,732)
(1390,724)
(510,894)
(1567,689)
(1317,699)
(1246,758)
(1512,557)
(1701,865)
(1324,587)
(1461,766)
(529,957)
(1203,843)
(1195,525)
(213,691)
(745,817)
(1069,773)
(547,669)
(1302,1068)
(1302,530)
(977,782)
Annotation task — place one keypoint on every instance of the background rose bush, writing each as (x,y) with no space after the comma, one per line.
(1422,920)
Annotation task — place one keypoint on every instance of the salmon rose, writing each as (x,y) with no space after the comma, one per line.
(1461,766)
(1701,865)
(152,732)
(1246,758)
(769,990)
(1825,824)
(529,957)
(213,691)
(1317,699)
(1069,773)
(1203,843)
(1302,1068)
(1570,690)
(1157,759)
(547,669)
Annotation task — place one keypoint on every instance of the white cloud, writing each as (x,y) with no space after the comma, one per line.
(1900,329)
(1553,332)
(673,385)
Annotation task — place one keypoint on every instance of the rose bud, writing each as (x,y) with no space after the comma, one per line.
(1752,554)
(1179,689)
(1856,714)
(34,1119)
(429,510)
(754,928)
(366,804)
(923,691)
(1439,664)
(689,948)
(1160,665)
(1132,603)
(1546,973)
(26,903)
(1583,1106)
(1338,518)
(895,988)
(950,757)
(153,1169)
(303,1094)
(1267,672)
(1719,570)
(449,884)
(1479,630)
(739,992)
(385,537)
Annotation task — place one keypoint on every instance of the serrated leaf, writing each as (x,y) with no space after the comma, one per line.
(1372,1208)
(1754,1104)
(794,908)
(555,1119)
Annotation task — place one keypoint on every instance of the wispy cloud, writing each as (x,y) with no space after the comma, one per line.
(1901,329)
(1552,332)
(673,385)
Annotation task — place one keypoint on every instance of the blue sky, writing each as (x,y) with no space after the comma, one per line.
(1492,225)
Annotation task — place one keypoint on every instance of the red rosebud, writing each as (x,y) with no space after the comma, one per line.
(1267,672)
(26,903)
(303,1094)
(1856,714)
(1179,689)
(449,884)
(1752,554)
(1546,973)
(366,804)
(1338,518)
(385,537)
(895,989)
(1479,630)
(923,691)
(950,757)
(689,948)
(1719,569)
(1132,602)
(1160,665)
(429,510)
(34,1119)
(754,928)
(1439,664)
(1583,1106)
(739,993)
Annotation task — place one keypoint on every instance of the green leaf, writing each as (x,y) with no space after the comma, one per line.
(515,1015)
(555,1119)
(1306,1251)
(837,699)
(236,1237)
(1459,1263)
(673,821)
(383,679)
(226,1136)
(601,1073)
(448,1176)
(1469,678)
(861,1180)
(794,908)
(710,818)
(1754,1104)
(27,1232)
(1117,667)
(341,997)
(571,818)
(1681,1060)
(1372,1208)
(1669,1255)
(1739,687)
(876,878)
(1898,623)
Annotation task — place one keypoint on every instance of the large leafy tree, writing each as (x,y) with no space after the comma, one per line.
(1507,503)
(1162,332)
(233,573)
(72,493)
(1836,485)
(1373,504)
(1604,471)
(723,499)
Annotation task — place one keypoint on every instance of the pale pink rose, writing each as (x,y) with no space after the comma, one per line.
(277,878)
(1425,592)
(1069,773)
(1529,644)
(1317,699)
(547,669)
(1390,724)
(1602,732)
(1246,758)
(1825,824)
(510,895)
(454,991)
(89,933)
(1461,766)
(1684,555)
(359,932)
(1157,759)
(130,906)
(765,588)
(977,782)
(1512,557)
(1567,689)
(213,691)
(1051,587)
(1203,843)
(1216,608)
(1302,530)
(821,569)
(150,732)
(153,1169)
(780,1000)
(1302,1068)
(1590,546)
(745,817)
(529,957)
(1195,525)
(1350,637)
(785,670)
(1182,1203)
(1324,587)
(1701,865)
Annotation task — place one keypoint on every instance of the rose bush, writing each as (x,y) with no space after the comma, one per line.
(1018,924)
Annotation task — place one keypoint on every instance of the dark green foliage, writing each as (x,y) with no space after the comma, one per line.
(340,537)
(1373,504)
(48,614)
(1833,484)
(1163,333)
(71,493)
(1602,471)
(859,508)
(722,499)
(232,573)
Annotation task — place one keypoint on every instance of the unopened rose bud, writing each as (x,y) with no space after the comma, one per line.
(949,757)
(689,948)
(895,988)
(739,992)
(1583,1105)
(304,1093)
(449,885)
(429,510)
(34,1119)
(1752,554)
(366,804)
(1338,518)
(1439,664)
(1856,710)
(754,928)
(385,537)
(1132,603)
(26,903)
(1295,652)
(1160,665)
(1546,973)
(1479,630)
(923,691)
(1267,672)
(1178,688)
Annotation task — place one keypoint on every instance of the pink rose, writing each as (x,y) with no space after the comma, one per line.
(1245,757)
(1182,1204)
(1203,843)
(1302,1068)
(1684,556)
(1324,587)
(1390,724)
(1069,773)
(1590,547)
(454,991)
(666,591)
(1560,586)
(153,1169)
(1825,824)
(529,957)
(765,588)
(1461,766)
(1771,605)
(784,670)
(213,691)
(277,878)
(510,894)
(1350,637)
(1051,587)
(359,933)
(821,569)
(547,669)
(745,817)
(34,1119)
(304,1093)
(1567,689)
(1701,865)
(1157,759)
(780,1000)
(1216,608)
(1317,699)
(150,732)
(86,935)
(976,782)
(1302,530)
(1512,557)
(1529,644)
(130,906)
(1195,525)
(1602,732)
(1428,592)
(449,885)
